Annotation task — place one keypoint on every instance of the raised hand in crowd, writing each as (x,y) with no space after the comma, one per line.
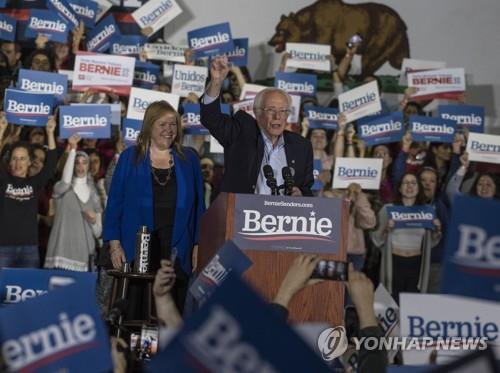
(143,56)
(147,31)
(284,58)
(166,310)
(458,142)
(361,145)
(50,129)
(406,142)
(305,127)
(219,68)
(41,41)
(77,36)
(360,290)
(189,56)
(73,141)
(464,161)
(118,346)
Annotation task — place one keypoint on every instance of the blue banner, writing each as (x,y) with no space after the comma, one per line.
(85,10)
(471,265)
(128,45)
(130,130)
(317,168)
(42,82)
(432,129)
(192,121)
(321,117)
(20,284)
(239,55)
(103,35)
(382,129)
(296,84)
(146,74)
(47,23)
(211,40)
(89,121)
(61,331)
(65,11)
(28,109)
(226,335)
(466,116)
(412,216)
(7,28)
(229,259)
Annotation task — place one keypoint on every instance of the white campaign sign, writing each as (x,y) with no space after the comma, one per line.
(164,52)
(446,316)
(309,56)
(387,312)
(141,98)
(249,91)
(189,79)
(294,110)
(483,148)
(102,7)
(156,14)
(246,106)
(363,171)
(360,102)
(412,65)
(437,81)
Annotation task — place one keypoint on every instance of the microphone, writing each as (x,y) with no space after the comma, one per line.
(287,173)
(270,180)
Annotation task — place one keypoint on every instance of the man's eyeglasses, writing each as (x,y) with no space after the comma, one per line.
(273,111)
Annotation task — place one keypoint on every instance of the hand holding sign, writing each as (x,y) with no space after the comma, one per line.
(73,141)
(51,125)
(164,279)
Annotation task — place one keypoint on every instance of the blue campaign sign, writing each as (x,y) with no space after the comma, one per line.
(89,121)
(42,82)
(103,35)
(85,10)
(471,266)
(224,334)
(239,55)
(296,84)
(26,108)
(130,130)
(146,74)
(7,28)
(61,331)
(321,117)
(20,284)
(47,23)
(466,116)
(432,129)
(192,121)
(412,216)
(317,168)
(211,40)
(128,45)
(229,259)
(381,129)
(65,11)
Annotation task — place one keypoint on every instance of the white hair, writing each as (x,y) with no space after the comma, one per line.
(260,97)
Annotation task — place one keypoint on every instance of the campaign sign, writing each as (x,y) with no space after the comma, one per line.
(189,79)
(466,116)
(102,7)
(246,106)
(47,23)
(412,65)
(360,102)
(103,35)
(382,129)
(146,74)
(249,91)
(7,28)
(20,284)
(140,99)
(471,266)
(308,56)
(103,72)
(128,45)
(238,56)
(412,216)
(444,318)
(116,115)
(65,11)
(296,84)
(59,332)
(211,40)
(164,52)
(317,169)
(229,336)
(303,225)
(294,110)
(229,259)
(155,14)
(484,148)
(191,116)
(42,82)
(89,121)
(85,10)
(26,108)
(387,313)
(363,171)
(442,83)
(431,129)
(130,130)
(321,117)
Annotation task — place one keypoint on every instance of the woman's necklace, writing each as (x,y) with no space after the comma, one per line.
(168,175)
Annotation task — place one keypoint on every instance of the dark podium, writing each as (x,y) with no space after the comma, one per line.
(272,231)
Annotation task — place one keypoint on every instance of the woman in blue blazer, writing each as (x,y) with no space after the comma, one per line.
(156,183)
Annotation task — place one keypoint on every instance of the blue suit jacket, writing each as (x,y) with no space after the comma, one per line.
(130,203)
